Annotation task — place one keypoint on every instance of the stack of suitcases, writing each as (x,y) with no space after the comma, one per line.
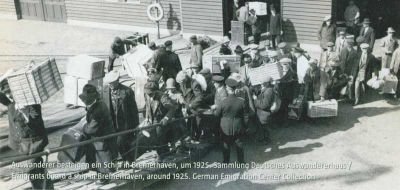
(82,70)
(36,83)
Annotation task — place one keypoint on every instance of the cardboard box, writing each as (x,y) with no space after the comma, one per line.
(36,83)
(85,66)
(326,108)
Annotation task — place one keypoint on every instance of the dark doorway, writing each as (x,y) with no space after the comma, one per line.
(382,13)
(229,9)
(46,10)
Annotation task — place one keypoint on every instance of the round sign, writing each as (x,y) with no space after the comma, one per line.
(157,9)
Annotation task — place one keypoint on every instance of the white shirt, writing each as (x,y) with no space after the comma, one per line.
(302,67)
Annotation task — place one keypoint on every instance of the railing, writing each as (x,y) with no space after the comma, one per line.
(47,152)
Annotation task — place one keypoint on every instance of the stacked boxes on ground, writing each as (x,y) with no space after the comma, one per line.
(82,70)
(35,83)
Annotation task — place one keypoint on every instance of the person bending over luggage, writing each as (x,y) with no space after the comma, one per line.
(27,136)
(120,100)
(337,80)
(99,123)
(117,50)
(315,82)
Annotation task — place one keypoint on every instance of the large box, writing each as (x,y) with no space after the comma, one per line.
(73,87)
(36,83)
(259,7)
(86,67)
(233,63)
(390,84)
(326,108)
(259,74)
(135,60)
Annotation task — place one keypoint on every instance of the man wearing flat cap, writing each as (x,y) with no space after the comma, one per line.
(159,109)
(263,103)
(340,43)
(196,52)
(232,112)
(286,87)
(363,70)
(337,80)
(120,100)
(367,34)
(170,63)
(99,123)
(327,56)
(348,59)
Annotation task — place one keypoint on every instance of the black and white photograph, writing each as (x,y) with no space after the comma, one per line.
(199,94)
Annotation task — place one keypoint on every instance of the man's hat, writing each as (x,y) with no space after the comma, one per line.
(194,37)
(89,92)
(285,60)
(252,11)
(218,78)
(180,77)
(391,30)
(236,76)
(282,45)
(230,82)
(298,49)
(205,71)
(328,17)
(366,21)
(111,77)
(194,66)
(150,87)
(170,84)
(272,54)
(342,32)
(330,44)
(152,45)
(238,49)
(364,46)
(168,43)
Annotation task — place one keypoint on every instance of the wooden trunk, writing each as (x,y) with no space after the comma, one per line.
(327,108)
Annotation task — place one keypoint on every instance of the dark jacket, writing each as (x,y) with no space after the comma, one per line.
(99,123)
(336,81)
(368,36)
(263,104)
(126,114)
(232,111)
(316,82)
(27,137)
(327,34)
(220,95)
(347,60)
(158,108)
(363,71)
(170,64)
(274,25)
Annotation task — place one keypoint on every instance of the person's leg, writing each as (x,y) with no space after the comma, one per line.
(226,148)
(239,150)
(357,91)
(273,40)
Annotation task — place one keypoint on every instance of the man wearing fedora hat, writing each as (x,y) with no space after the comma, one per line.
(170,63)
(389,44)
(367,34)
(120,100)
(99,123)
(232,115)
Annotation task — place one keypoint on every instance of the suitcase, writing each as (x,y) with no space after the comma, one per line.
(390,84)
(36,83)
(72,136)
(326,108)
(86,67)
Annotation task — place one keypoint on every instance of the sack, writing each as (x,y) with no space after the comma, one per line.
(276,105)
(375,83)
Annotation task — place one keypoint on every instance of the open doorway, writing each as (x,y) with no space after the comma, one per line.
(382,13)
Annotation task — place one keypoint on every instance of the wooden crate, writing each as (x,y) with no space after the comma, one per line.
(35,84)
(259,74)
(327,108)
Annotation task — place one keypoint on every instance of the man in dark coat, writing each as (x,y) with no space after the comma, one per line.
(232,112)
(263,103)
(348,58)
(337,80)
(362,71)
(274,27)
(120,100)
(28,136)
(254,22)
(286,86)
(117,50)
(327,32)
(99,123)
(170,63)
(367,34)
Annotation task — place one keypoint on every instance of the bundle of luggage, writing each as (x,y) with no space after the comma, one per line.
(315,109)
(82,70)
(385,82)
(35,83)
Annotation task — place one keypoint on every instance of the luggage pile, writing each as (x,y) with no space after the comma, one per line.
(82,70)
(35,83)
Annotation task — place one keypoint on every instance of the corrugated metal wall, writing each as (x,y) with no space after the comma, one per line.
(303,18)
(133,14)
(7,7)
(202,17)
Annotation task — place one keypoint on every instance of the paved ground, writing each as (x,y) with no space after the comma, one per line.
(364,136)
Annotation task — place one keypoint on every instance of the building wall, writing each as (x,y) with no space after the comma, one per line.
(303,18)
(122,13)
(202,17)
(7,9)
